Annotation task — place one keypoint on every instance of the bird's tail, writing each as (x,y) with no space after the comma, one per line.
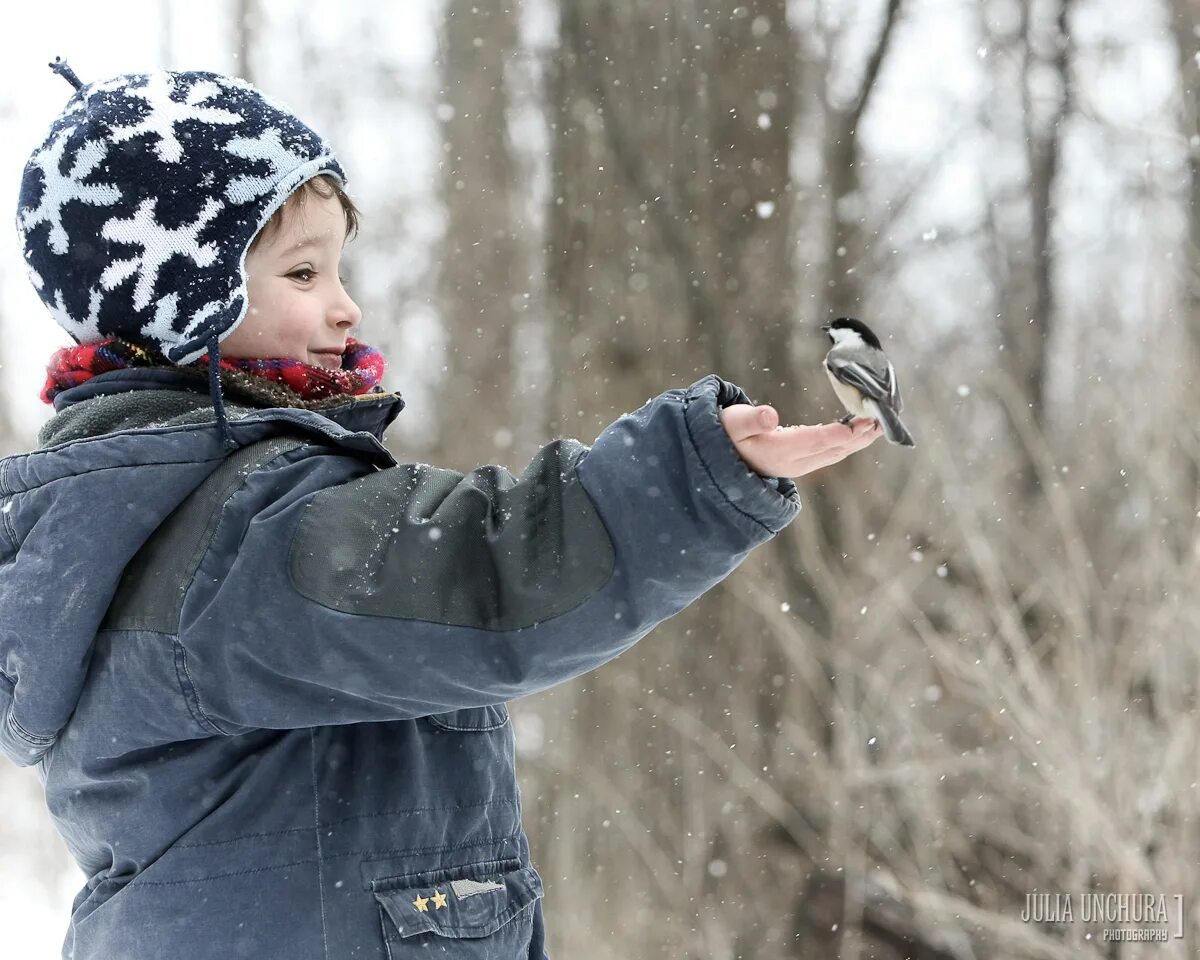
(893,427)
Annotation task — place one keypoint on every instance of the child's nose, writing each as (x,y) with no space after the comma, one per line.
(346,312)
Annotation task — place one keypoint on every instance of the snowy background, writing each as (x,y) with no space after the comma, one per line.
(993,689)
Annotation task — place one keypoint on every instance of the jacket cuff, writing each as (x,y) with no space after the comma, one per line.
(772,502)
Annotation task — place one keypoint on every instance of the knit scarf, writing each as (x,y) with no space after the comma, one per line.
(362,368)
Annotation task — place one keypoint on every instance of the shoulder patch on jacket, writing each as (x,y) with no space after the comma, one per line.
(151,591)
(481,550)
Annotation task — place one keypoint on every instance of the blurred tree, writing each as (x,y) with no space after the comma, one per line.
(246,24)
(1029,343)
(1025,251)
(843,163)
(484,266)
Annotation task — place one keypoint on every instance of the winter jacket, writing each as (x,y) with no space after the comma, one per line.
(266,690)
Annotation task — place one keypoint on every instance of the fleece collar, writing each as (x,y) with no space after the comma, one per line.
(141,397)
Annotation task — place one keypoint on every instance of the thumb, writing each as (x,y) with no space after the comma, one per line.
(741,420)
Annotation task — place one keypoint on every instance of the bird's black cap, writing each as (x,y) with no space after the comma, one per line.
(849,323)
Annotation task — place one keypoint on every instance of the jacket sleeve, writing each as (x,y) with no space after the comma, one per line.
(414,590)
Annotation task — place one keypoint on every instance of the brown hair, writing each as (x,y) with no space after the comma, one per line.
(323,186)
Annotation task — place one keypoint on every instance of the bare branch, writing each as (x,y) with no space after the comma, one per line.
(874,63)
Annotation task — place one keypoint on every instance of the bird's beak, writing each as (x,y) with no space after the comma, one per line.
(825,326)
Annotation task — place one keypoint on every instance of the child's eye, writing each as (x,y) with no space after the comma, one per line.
(297,273)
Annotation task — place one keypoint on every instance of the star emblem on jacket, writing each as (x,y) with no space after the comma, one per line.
(438,898)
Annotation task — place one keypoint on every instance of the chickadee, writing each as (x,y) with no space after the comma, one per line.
(863,377)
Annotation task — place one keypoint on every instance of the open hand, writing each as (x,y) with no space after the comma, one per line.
(774,451)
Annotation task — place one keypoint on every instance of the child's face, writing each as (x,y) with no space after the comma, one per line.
(297,304)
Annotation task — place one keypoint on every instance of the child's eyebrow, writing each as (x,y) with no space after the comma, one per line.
(305,242)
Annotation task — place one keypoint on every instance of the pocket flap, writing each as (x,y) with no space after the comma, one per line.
(472,719)
(461,908)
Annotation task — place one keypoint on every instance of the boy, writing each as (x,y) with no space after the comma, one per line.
(267,697)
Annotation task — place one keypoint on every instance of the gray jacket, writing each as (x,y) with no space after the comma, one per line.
(265,690)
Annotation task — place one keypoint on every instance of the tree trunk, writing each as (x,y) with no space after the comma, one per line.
(483,269)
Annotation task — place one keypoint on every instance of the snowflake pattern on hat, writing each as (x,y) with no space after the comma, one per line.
(136,212)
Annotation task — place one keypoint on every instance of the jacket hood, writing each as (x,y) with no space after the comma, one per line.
(122,452)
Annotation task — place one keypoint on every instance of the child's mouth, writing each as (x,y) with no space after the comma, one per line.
(330,361)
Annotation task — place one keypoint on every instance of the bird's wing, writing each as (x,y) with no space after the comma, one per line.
(866,380)
(897,403)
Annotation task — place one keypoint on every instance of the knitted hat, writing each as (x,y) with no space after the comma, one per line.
(136,212)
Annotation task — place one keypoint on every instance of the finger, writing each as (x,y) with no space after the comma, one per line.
(803,448)
(813,460)
(815,439)
(742,420)
(863,436)
(859,432)
(869,431)
(819,436)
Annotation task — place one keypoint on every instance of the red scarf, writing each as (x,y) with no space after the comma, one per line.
(362,368)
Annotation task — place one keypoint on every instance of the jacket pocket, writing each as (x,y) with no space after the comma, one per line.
(471,719)
(494,910)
